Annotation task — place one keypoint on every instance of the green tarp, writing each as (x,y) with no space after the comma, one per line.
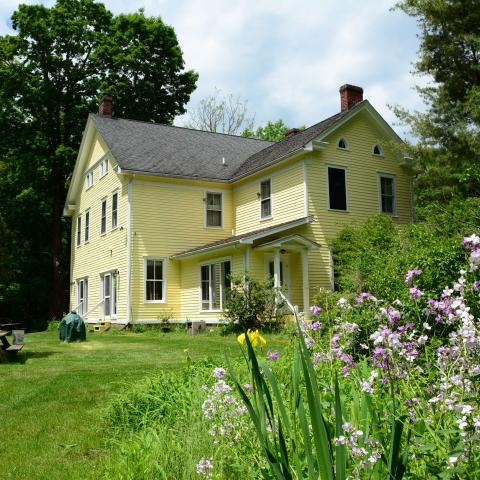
(72,328)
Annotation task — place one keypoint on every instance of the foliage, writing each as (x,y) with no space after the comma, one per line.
(448,132)
(52,72)
(373,257)
(220,113)
(271,131)
(252,304)
(402,403)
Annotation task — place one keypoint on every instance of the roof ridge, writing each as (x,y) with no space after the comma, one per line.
(183,128)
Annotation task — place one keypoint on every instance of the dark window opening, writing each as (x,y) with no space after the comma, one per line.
(337,188)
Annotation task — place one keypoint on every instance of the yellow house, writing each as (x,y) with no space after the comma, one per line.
(162,215)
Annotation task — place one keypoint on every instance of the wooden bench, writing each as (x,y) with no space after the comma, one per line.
(6,346)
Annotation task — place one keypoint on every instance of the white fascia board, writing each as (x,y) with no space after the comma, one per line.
(77,176)
(271,231)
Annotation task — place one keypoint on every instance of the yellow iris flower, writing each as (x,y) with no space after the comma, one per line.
(254,337)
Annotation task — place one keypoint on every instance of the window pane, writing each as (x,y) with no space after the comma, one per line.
(214,201)
(387,185)
(150,294)
(387,204)
(205,287)
(266,208)
(79,230)
(226,267)
(114,210)
(214,218)
(216,287)
(158,270)
(150,269)
(337,189)
(265,189)
(158,290)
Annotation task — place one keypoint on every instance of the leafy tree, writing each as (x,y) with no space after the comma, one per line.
(51,75)
(220,113)
(449,130)
(271,131)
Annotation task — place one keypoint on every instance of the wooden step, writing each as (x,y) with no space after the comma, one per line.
(3,333)
(14,348)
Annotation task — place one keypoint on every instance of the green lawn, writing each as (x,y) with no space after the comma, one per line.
(52,397)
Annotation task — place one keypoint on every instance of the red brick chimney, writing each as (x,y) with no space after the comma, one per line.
(350,95)
(105,106)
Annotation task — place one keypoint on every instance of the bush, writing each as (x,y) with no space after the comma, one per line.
(374,257)
(251,304)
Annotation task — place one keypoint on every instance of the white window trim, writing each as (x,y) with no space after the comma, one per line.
(263,219)
(104,199)
(115,192)
(347,145)
(221,206)
(200,265)
(381,154)
(102,291)
(86,238)
(164,280)
(78,230)
(379,188)
(340,167)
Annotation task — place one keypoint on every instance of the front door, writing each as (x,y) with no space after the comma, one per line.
(284,271)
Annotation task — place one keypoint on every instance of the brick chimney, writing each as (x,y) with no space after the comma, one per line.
(350,95)
(105,106)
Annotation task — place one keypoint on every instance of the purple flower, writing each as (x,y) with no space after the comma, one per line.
(415,293)
(364,296)
(204,466)
(315,309)
(410,274)
(315,326)
(273,356)
(219,373)
(248,387)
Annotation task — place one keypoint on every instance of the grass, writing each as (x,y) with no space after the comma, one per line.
(52,397)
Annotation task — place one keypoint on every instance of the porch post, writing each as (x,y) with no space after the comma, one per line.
(306,285)
(246,260)
(276,268)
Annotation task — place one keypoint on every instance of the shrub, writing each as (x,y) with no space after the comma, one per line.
(252,304)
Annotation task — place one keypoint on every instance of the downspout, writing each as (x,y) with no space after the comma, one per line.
(129,249)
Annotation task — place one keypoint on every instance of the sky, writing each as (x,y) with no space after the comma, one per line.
(288,58)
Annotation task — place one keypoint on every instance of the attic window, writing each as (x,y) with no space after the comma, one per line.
(342,143)
(89,178)
(377,150)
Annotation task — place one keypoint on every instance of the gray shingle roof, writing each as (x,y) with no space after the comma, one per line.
(175,151)
(183,152)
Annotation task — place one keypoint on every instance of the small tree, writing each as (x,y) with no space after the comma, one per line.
(252,304)
(221,113)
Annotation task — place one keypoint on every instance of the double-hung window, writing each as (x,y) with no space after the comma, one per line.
(337,188)
(114,210)
(213,202)
(103,167)
(82,296)
(109,285)
(266,199)
(154,280)
(214,282)
(89,178)
(79,230)
(103,218)
(87,225)
(387,194)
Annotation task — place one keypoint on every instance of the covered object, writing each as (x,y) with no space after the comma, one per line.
(72,328)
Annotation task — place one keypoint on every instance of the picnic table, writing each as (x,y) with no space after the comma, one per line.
(11,349)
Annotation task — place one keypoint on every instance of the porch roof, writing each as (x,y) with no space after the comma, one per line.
(245,238)
(290,241)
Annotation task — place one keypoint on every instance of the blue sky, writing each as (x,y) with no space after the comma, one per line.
(288,58)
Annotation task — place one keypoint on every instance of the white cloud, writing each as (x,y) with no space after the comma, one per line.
(288,58)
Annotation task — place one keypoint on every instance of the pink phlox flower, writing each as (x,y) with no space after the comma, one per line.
(204,466)
(315,326)
(219,373)
(410,274)
(365,296)
(315,309)
(415,293)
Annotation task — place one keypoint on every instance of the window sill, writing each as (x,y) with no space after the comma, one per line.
(89,188)
(219,227)
(336,210)
(103,176)
(343,149)
(87,242)
(113,229)
(153,301)
(210,311)
(264,219)
(104,234)
(393,215)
